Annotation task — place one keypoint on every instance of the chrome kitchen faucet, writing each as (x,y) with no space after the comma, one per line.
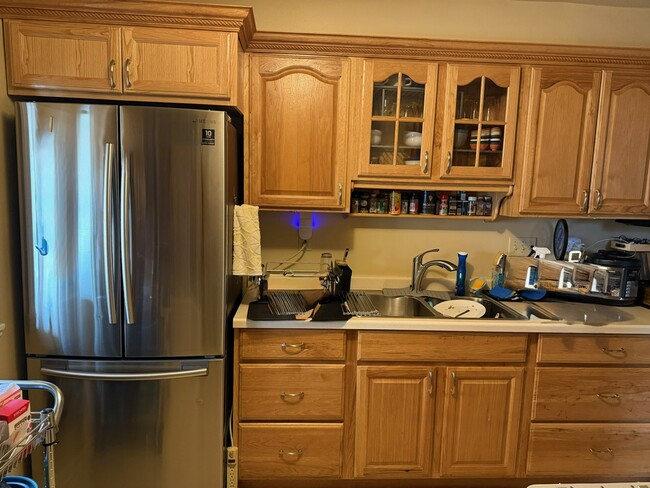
(420,269)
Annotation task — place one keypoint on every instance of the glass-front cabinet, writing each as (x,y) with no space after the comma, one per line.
(397,108)
(479,122)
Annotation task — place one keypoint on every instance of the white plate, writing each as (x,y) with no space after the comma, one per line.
(454,308)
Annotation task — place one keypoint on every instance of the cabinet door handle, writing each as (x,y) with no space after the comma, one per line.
(453,383)
(290,455)
(340,193)
(448,168)
(430,388)
(585,200)
(111,73)
(608,396)
(127,70)
(599,199)
(620,350)
(602,451)
(300,395)
(293,348)
(426,162)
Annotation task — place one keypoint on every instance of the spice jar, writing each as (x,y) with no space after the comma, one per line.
(395,204)
(354,204)
(382,203)
(471,205)
(364,202)
(480,206)
(488,205)
(444,204)
(372,203)
(414,204)
(429,202)
(405,203)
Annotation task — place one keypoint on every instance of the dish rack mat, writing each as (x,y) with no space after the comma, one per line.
(286,302)
(359,304)
(40,424)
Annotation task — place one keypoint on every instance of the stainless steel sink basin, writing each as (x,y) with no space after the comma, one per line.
(532,311)
(401,306)
(493,308)
(411,306)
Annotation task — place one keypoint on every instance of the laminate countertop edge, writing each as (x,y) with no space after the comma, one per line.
(637,322)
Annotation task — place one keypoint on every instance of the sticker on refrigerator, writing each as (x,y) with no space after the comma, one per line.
(207,137)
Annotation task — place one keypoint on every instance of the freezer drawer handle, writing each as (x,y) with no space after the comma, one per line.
(300,346)
(169,375)
(291,456)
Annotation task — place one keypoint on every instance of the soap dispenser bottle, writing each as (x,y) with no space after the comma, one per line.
(461,274)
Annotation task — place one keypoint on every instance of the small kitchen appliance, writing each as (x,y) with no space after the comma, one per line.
(617,274)
(640,249)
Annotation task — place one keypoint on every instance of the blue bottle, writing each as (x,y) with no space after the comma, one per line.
(460,274)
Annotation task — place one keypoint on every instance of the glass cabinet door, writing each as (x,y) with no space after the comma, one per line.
(479,122)
(398,112)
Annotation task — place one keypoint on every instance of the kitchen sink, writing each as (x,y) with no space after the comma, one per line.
(415,306)
(532,311)
(401,306)
(493,308)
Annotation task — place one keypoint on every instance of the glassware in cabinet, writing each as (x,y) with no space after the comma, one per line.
(397,119)
(479,122)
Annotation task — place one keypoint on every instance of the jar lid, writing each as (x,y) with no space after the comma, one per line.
(471,199)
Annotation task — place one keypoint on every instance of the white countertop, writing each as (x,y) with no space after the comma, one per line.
(602,319)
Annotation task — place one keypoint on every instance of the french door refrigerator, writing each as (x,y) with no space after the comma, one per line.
(126,229)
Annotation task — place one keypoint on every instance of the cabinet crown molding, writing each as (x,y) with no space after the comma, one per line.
(176,14)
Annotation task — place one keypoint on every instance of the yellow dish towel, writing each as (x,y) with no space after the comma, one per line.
(247,249)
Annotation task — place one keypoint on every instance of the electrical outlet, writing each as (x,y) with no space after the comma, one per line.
(520,246)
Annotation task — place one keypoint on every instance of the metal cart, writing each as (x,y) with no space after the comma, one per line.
(43,429)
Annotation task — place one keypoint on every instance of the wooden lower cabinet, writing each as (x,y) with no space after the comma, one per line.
(591,415)
(268,451)
(394,421)
(482,409)
(581,449)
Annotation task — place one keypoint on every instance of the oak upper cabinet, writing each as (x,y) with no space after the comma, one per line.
(482,409)
(396,103)
(558,139)
(61,56)
(298,132)
(394,421)
(620,183)
(479,121)
(586,146)
(179,62)
(71,59)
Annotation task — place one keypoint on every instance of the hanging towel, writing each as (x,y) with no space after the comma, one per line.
(247,250)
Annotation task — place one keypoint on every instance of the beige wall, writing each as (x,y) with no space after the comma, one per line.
(585,22)
(10,295)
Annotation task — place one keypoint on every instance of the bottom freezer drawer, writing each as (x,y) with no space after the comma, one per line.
(136,423)
(589,449)
(290,450)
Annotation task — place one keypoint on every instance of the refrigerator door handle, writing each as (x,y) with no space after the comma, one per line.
(109,159)
(125,242)
(167,375)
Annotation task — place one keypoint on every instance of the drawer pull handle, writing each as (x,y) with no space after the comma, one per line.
(293,348)
(620,350)
(291,456)
(300,395)
(608,396)
(602,451)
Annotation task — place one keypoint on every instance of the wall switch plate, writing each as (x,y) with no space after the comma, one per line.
(232,467)
(521,246)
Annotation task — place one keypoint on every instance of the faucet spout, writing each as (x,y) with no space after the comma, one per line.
(420,268)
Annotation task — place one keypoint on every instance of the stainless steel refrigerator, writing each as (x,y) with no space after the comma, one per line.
(126,228)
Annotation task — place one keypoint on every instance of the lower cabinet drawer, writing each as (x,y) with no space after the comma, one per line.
(589,449)
(592,394)
(290,450)
(291,392)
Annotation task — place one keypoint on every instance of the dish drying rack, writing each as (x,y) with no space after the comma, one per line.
(42,430)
